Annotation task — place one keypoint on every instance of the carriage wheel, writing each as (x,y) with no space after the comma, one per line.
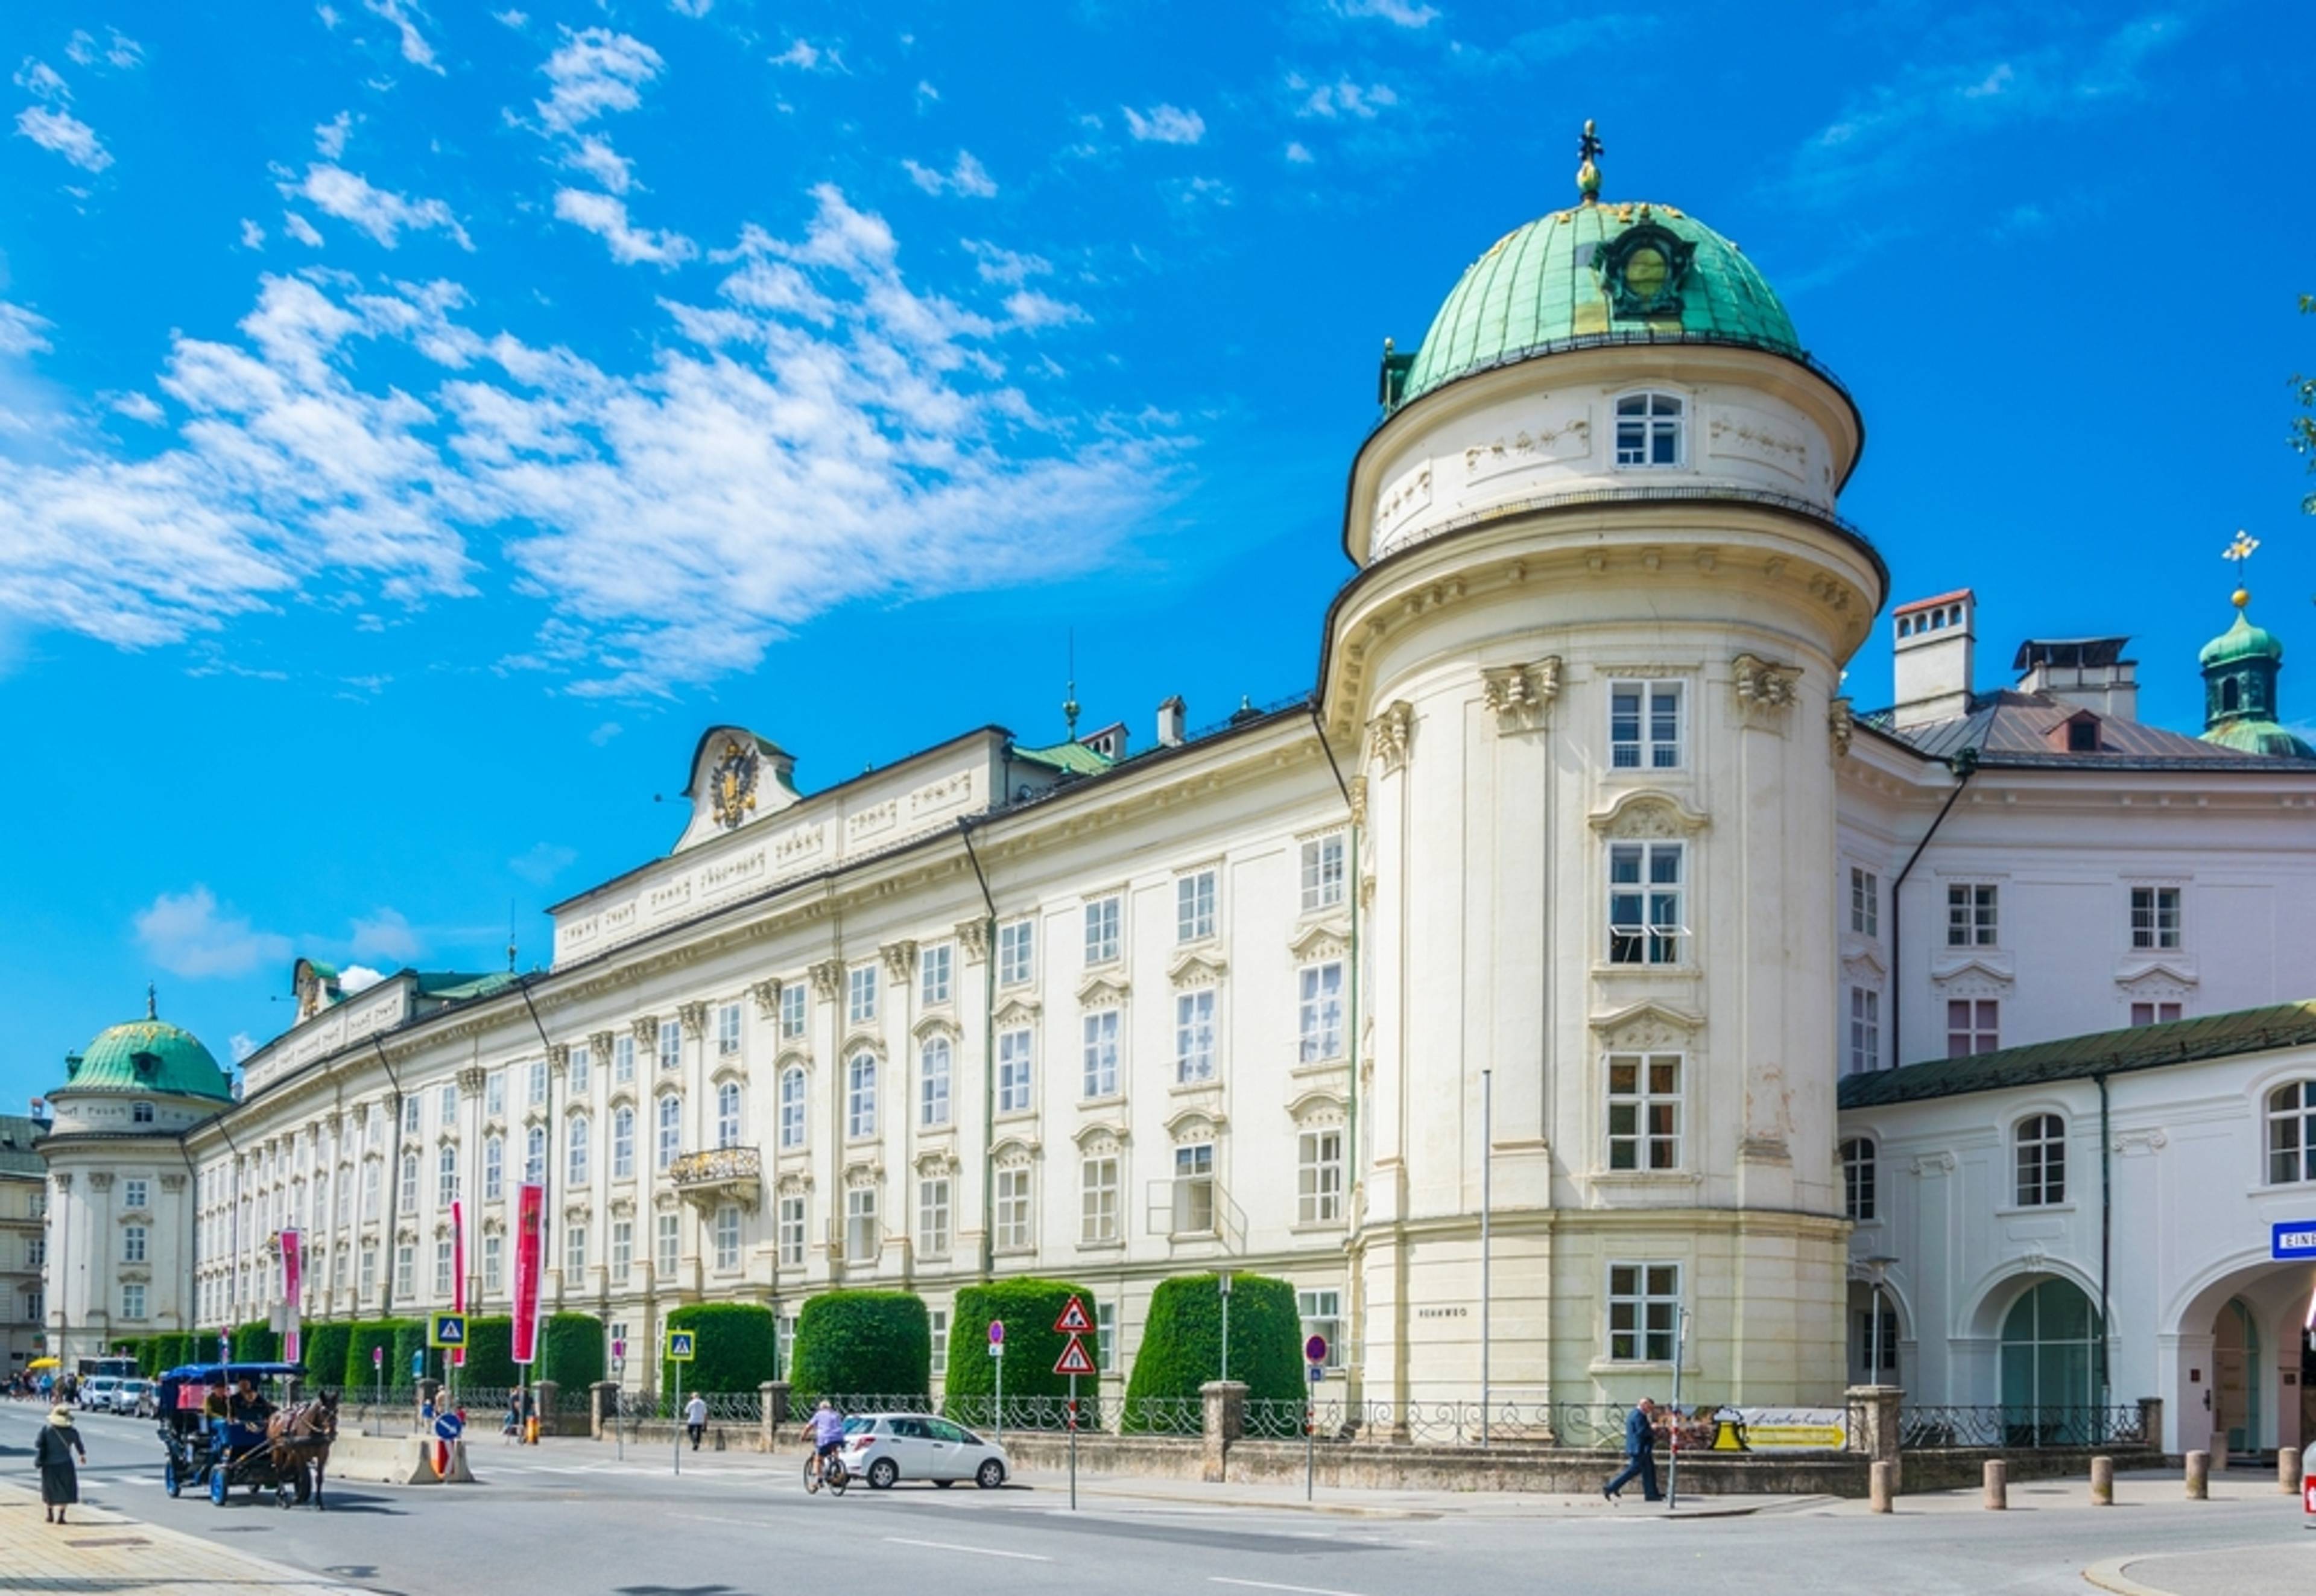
(281,1497)
(216,1484)
(169,1480)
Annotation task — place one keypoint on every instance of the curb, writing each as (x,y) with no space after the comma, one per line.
(2109,1576)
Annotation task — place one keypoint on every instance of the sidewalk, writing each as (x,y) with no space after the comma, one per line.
(2226,1570)
(103,1550)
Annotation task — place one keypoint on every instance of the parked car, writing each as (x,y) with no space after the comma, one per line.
(885,1448)
(96,1392)
(133,1397)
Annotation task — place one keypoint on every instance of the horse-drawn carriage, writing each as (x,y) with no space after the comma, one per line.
(216,1440)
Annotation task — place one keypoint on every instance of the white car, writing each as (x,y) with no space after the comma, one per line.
(133,1397)
(885,1448)
(95,1392)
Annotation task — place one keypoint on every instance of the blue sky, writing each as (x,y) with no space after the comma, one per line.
(416,422)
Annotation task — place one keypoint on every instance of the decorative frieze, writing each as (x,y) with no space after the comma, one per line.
(1519,695)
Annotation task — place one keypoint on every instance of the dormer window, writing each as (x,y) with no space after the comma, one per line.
(140,1113)
(1649,430)
(2077,734)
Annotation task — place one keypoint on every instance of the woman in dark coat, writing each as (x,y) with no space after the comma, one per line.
(59,1480)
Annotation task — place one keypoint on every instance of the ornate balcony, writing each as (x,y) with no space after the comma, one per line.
(721,1176)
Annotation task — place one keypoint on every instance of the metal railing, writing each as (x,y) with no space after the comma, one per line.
(2017,1427)
(716,1166)
(724,1407)
(1164,1415)
(1021,1413)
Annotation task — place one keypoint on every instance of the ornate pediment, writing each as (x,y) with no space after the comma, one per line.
(1863,965)
(1102,1136)
(864,1041)
(1322,939)
(2157,976)
(1190,1127)
(1649,815)
(1317,1110)
(941,1162)
(1645,1026)
(935,1025)
(1019,1011)
(863,1176)
(1015,1152)
(1103,992)
(1196,967)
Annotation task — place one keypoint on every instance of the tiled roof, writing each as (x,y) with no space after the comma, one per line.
(2080,1057)
(16,1155)
(2014,728)
(1074,758)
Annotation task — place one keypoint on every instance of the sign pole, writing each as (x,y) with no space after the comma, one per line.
(1679,1350)
(679,1418)
(1074,1443)
(997,1350)
(1222,1280)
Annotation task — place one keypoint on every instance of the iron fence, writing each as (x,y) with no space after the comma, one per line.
(724,1407)
(1164,1415)
(1021,1413)
(2018,1427)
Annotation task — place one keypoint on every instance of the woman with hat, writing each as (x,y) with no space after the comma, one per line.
(59,1480)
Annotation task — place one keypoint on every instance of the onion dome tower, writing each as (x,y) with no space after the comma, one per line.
(2239,670)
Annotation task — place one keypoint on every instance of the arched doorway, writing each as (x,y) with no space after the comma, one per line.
(2053,1372)
(2235,1377)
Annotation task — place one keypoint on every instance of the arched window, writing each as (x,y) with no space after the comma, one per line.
(727,1114)
(409,1181)
(1649,430)
(671,1130)
(792,1106)
(534,1155)
(2042,1161)
(2052,1368)
(860,1095)
(623,1142)
(2292,1133)
(140,1113)
(1857,1179)
(575,1141)
(933,1078)
(445,1175)
(2230,696)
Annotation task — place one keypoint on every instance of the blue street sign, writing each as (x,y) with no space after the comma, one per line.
(1318,1373)
(418,1365)
(679,1346)
(2294,1238)
(448,1426)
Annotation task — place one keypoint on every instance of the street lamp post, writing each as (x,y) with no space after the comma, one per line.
(1222,1280)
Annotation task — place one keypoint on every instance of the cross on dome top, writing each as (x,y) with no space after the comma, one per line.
(1588,149)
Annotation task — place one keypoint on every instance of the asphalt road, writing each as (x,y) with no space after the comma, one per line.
(570,1521)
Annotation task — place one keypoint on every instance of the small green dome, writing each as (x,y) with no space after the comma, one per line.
(2259,736)
(148,1055)
(1599,272)
(2241,641)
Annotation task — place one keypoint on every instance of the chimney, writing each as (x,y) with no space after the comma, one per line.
(1933,647)
(2087,672)
(1170,717)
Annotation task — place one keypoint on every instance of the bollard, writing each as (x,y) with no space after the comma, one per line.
(1883,1485)
(1997,1484)
(2199,1476)
(2102,1482)
(2287,1470)
(2220,1455)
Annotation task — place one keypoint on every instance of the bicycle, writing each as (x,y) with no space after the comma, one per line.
(832,1473)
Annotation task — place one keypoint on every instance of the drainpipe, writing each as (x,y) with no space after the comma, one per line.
(1964,765)
(988,1057)
(2107,1245)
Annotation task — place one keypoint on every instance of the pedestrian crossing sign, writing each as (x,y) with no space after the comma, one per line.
(679,1346)
(446,1330)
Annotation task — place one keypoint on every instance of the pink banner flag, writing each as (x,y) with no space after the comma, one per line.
(293,1271)
(530,1214)
(457,1272)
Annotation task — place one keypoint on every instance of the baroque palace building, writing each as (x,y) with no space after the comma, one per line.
(1575,878)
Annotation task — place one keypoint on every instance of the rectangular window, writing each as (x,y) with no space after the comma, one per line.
(1857,1180)
(405,1270)
(623,1142)
(132,1301)
(1648,430)
(670,1045)
(934,1061)
(860,1096)
(668,1244)
(2156,1013)
(132,1243)
(135,1195)
(1322,872)
(623,1059)
(1194,1190)
(792,1232)
(1321,1313)
(534,1155)
(1971,914)
(861,996)
(1194,1036)
(1101,1053)
(447,1106)
(446,1177)
(784,1351)
(791,1009)
(369,1271)
(1974,1025)
(1643,1110)
(1017,944)
(670,1135)
(623,1249)
(1098,1179)
(2155,917)
(580,1067)
(1319,1012)
(1643,1312)
(727,1237)
(409,1196)
(1865,1030)
(1865,902)
(1644,726)
(1874,1331)
(442,1268)
(727,1030)
(1644,902)
(1013,1209)
(1105,1335)
(861,1236)
(494,1263)
(1194,907)
(2042,1146)
(578,1137)
(1102,923)
(936,1322)
(537,1080)
(932,1218)
(1319,1177)
(410,1115)
(933,964)
(1012,1072)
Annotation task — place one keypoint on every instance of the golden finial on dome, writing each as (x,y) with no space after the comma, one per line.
(2240,551)
(1588,149)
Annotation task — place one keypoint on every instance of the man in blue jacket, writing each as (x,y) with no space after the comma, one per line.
(1640,1454)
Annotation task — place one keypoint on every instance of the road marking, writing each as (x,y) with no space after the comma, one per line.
(1266,1585)
(945,1546)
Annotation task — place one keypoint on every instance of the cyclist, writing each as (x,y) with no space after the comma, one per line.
(826,1428)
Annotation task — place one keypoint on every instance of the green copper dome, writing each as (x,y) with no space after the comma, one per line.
(1599,272)
(148,1055)
(2241,641)
(2241,703)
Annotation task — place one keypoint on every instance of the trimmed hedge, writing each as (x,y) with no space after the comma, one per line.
(490,1353)
(256,1343)
(862,1343)
(1028,1309)
(367,1334)
(1182,1341)
(323,1347)
(571,1350)
(737,1347)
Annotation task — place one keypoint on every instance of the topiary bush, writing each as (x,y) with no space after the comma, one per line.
(1028,1309)
(851,1344)
(571,1350)
(1183,1343)
(367,1334)
(322,1349)
(256,1343)
(162,1353)
(490,1353)
(736,1347)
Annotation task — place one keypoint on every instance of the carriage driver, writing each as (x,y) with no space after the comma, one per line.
(248,1407)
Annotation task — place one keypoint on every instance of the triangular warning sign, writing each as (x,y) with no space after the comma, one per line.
(1074,1320)
(1074,1359)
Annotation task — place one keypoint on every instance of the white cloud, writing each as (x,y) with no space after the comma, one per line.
(595,157)
(139,406)
(242,1045)
(118,49)
(381,213)
(1398,12)
(66,134)
(299,228)
(968,176)
(253,236)
(1210,191)
(330,137)
(358,978)
(595,72)
(42,81)
(1030,308)
(1341,98)
(1297,154)
(543,861)
(690,8)
(189,934)
(926,93)
(20,330)
(605,733)
(405,15)
(1165,124)
(606,216)
(511,17)
(1002,265)
(328,17)
(386,934)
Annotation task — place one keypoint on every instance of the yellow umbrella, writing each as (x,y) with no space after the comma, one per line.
(41,1363)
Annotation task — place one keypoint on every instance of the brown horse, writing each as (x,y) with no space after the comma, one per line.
(299,1438)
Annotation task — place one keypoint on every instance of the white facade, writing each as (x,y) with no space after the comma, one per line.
(23,1241)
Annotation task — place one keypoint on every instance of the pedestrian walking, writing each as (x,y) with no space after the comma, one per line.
(695,1418)
(511,1428)
(1640,1454)
(60,1479)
